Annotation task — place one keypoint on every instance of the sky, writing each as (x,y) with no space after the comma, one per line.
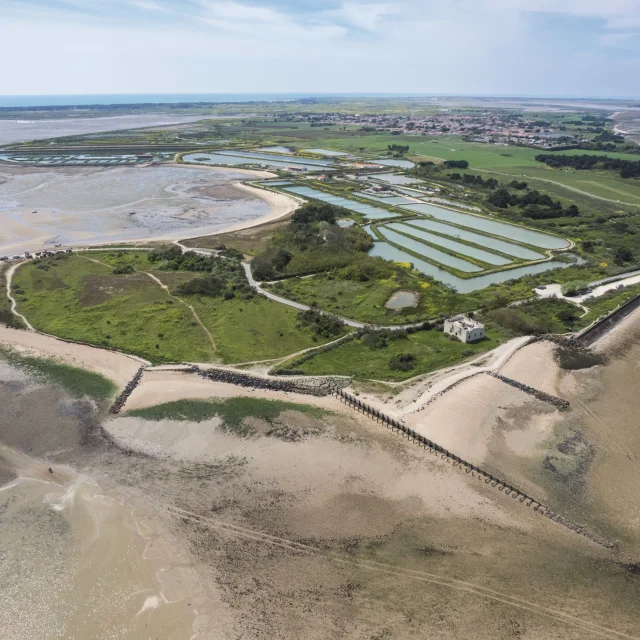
(563,48)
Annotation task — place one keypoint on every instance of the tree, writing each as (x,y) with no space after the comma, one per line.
(574,287)
(623,254)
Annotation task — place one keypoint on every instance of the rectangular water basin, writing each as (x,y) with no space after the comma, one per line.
(458,247)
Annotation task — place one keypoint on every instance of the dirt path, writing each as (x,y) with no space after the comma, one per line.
(181,301)
(14,304)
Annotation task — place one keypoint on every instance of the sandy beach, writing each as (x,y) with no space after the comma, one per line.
(117,367)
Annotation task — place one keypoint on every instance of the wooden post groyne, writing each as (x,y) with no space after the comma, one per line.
(488,478)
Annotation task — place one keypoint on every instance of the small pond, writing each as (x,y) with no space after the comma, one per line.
(404,164)
(394,178)
(276,149)
(402,299)
(326,152)
(345,222)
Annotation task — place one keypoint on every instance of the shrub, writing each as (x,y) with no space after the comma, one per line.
(123,268)
(402,362)
(574,287)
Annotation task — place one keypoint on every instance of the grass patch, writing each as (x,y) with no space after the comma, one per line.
(432,350)
(254,329)
(232,411)
(128,312)
(77,382)
(250,241)
(607,302)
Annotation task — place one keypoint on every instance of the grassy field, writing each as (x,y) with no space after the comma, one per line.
(79,297)
(365,301)
(515,161)
(247,330)
(432,350)
(77,382)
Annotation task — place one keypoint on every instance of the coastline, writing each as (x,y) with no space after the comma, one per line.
(280,205)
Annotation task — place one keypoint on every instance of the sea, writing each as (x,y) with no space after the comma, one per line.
(7,101)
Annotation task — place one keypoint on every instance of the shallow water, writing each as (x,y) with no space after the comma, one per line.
(405,164)
(228,159)
(402,299)
(429,252)
(487,241)
(389,252)
(74,206)
(535,238)
(458,247)
(327,152)
(76,565)
(371,212)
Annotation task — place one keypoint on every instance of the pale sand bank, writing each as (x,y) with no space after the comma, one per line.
(464,418)
(535,365)
(116,366)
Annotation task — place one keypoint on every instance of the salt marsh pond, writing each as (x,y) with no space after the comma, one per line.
(40,207)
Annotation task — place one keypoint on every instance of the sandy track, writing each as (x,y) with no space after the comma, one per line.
(116,366)
(14,304)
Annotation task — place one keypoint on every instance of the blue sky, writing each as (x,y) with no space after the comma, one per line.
(516,47)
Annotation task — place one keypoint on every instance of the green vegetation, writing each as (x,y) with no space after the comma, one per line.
(6,315)
(311,243)
(398,355)
(608,302)
(364,300)
(574,287)
(232,411)
(79,297)
(255,329)
(77,382)
(548,315)
(585,162)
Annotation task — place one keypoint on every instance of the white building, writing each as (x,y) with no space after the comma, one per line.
(464,328)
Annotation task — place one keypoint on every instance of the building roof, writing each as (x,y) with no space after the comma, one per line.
(466,322)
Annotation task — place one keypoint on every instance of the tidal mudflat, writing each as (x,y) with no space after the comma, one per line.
(42,207)
(297,523)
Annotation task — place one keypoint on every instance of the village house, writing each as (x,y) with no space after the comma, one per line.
(464,328)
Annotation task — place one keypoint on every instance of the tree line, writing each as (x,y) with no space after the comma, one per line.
(627,168)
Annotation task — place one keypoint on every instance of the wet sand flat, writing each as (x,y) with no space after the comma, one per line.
(12,131)
(326,526)
(76,206)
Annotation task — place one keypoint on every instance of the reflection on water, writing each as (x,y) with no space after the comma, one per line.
(536,238)
(389,252)
(458,247)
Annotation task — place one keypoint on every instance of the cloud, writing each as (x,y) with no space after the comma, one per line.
(364,16)
(376,46)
